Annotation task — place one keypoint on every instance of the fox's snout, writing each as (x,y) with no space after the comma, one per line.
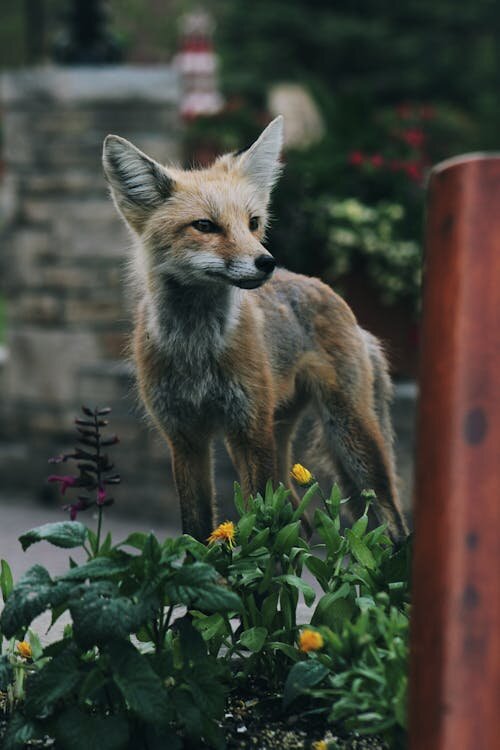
(265,263)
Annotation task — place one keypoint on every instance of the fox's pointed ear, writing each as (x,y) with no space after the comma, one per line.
(138,183)
(260,163)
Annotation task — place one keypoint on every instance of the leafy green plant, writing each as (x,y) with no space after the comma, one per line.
(369,237)
(359,673)
(160,632)
(147,687)
(130,669)
(265,571)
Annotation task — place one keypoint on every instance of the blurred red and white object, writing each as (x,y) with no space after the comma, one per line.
(197,65)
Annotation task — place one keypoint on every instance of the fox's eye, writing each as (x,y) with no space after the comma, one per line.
(205,225)
(254,223)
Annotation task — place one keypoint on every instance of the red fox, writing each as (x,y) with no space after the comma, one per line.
(223,342)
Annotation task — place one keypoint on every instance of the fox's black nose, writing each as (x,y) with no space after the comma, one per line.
(265,263)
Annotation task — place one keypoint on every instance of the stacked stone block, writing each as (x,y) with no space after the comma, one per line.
(64,251)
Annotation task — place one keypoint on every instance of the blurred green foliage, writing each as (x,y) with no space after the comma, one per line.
(400,87)
(368,54)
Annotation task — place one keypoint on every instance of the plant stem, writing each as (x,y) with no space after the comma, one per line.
(99,524)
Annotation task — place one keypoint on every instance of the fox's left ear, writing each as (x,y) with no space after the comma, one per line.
(261,163)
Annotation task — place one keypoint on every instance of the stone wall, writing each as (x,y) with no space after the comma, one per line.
(62,264)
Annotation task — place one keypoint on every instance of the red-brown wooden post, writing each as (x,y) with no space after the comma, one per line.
(455,660)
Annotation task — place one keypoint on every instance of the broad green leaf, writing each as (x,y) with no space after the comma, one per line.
(360,550)
(334,608)
(20,730)
(259,540)
(79,730)
(33,594)
(196,586)
(269,609)
(269,493)
(106,545)
(305,502)
(285,648)
(100,615)
(334,501)
(287,537)
(35,643)
(139,684)
(6,673)
(95,569)
(245,526)
(301,585)
(360,526)
(137,540)
(211,626)
(62,534)
(303,675)
(92,683)
(6,580)
(57,678)
(205,685)
(365,602)
(317,567)
(328,532)
(238,499)
(253,639)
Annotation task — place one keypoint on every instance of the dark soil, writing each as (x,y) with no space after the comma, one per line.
(258,723)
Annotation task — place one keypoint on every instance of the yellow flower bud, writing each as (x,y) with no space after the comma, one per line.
(301,474)
(310,640)
(24,649)
(320,745)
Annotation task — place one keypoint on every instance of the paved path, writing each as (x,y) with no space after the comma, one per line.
(17,518)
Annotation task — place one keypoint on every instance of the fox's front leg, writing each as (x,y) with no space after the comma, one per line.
(193,475)
(254,456)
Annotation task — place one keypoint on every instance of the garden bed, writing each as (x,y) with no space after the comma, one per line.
(182,644)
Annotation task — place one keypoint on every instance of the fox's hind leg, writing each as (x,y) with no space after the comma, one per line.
(365,460)
(285,425)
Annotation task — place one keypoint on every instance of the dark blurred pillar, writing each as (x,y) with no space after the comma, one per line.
(86,37)
(455,661)
(34,30)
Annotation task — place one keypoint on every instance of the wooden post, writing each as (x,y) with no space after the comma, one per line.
(455,659)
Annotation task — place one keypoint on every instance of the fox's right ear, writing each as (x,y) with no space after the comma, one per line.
(138,183)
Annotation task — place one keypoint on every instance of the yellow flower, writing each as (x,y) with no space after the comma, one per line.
(301,474)
(320,745)
(24,649)
(310,640)
(225,532)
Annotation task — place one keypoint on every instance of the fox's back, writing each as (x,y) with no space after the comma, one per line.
(306,323)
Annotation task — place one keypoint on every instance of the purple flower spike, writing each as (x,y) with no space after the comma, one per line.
(101,496)
(66,481)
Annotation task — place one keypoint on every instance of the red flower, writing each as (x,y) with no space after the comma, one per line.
(414,171)
(356,158)
(67,481)
(413,137)
(377,160)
